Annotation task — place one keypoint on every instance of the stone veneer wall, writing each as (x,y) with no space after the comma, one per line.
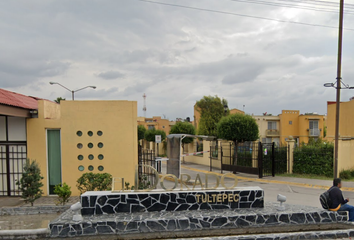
(190,221)
(96,203)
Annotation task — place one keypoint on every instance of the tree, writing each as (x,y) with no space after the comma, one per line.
(59,99)
(141,132)
(211,110)
(30,183)
(183,127)
(150,135)
(238,128)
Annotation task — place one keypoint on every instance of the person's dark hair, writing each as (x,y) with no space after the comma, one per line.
(336,181)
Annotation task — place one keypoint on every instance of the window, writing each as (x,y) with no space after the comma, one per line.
(313,126)
(266,140)
(151,127)
(272,125)
(290,122)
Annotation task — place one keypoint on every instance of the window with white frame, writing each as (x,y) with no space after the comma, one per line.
(313,126)
(272,125)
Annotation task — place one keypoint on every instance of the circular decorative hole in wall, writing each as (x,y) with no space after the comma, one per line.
(90,157)
(80,157)
(100,145)
(90,168)
(81,168)
(100,168)
(99,133)
(90,133)
(90,145)
(79,133)
(100,157)
(79,145)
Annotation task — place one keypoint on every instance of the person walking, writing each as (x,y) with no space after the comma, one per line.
(338,202)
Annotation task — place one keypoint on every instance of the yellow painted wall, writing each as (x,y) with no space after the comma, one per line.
(300,125)
(116,119)
(345,154)
(346,120)
(287,129)
(304,125)
(157,122)
(235,110)
(201,159)
(262,122)
(346,133)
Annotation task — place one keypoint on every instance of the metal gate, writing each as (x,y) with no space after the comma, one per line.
(262,159)
(12,161)
(145,174)
(246,160)
(266,160)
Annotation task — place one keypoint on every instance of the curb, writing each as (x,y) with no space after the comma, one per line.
(24,233)
(272,181)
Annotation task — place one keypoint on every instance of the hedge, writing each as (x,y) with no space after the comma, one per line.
(316,160)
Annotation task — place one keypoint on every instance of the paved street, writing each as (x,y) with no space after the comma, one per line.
(298,191)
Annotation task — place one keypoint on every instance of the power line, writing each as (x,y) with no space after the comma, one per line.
(288,5)
(243,15)
(318,2)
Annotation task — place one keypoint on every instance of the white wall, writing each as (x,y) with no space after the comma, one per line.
(17,128)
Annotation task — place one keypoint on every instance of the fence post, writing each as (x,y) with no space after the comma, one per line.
(273,159)
(290,155)
(260,160)
(231,163)
(211,159)
(221,157)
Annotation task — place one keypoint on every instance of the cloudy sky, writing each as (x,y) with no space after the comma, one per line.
(176,55)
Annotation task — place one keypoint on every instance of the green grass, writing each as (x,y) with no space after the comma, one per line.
(311,176)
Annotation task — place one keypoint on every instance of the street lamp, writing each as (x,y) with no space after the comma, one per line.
(72,91)
(338,85)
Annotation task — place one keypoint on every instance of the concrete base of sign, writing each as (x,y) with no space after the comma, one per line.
(154,225)
(105,202)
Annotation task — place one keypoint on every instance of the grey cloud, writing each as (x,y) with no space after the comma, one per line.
(241,74)
(174,55)
(23,72)
(109,75)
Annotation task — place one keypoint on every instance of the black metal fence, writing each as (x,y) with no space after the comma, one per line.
(246,159)
(262,159)
(12,161)
(146,175)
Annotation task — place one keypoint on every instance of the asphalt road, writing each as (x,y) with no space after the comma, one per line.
(301,194)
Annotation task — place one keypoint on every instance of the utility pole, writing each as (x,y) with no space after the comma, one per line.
(339,85)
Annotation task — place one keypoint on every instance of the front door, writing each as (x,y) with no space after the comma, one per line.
(54,158)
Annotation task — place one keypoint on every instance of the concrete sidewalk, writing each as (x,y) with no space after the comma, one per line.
(43,201)
(193,169)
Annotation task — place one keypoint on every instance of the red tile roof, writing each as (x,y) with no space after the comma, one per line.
(17,100)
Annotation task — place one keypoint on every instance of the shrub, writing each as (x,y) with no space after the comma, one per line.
(30,183)
(94,182)
(64,192)
(345,174)
(314,159)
